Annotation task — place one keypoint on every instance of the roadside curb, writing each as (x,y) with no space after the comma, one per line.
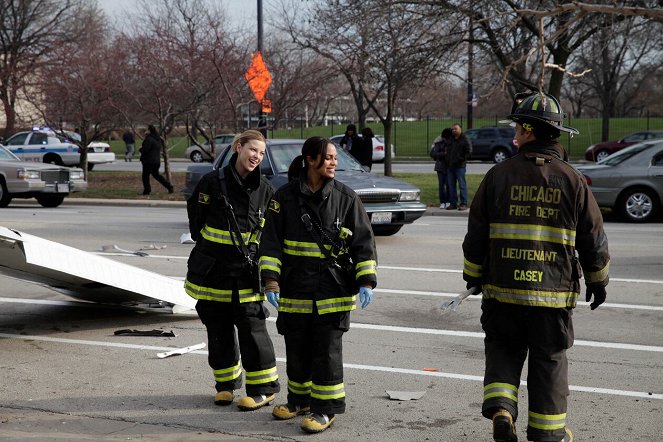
(430,211)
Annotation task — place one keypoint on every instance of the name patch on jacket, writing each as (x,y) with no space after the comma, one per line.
(203,198)
(275,206)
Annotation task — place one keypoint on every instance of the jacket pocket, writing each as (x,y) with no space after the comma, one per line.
(200,263)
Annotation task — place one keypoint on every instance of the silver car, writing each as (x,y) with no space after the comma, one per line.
(48,183)
(389,203)
(629,181)
(202,153)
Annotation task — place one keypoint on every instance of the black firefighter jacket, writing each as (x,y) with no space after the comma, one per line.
(529,217)
(216,261)
(290,254)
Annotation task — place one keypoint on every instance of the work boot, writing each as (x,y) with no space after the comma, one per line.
(288,411)
(224,398)
(171,189)
(503,428)
(568,436)
(317,422)
(248,403)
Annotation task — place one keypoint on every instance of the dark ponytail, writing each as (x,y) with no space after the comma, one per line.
(314,147)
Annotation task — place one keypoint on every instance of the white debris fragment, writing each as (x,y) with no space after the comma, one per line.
(181,351)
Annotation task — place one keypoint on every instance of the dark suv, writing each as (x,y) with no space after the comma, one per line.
(492,143)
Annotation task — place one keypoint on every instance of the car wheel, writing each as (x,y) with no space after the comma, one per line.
(5,198)
(53,159)
(386,230)
(500,155)
(50,201)
(638,205)
(196,157)
(601,155)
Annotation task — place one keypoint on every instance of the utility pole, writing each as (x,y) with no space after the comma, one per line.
(470,63)
(262,119)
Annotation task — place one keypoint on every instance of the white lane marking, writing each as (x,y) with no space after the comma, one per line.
(478,298)
(607,391)
(389,328)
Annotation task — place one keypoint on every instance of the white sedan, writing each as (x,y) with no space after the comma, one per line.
(378,147)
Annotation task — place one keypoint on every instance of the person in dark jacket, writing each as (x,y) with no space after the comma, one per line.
(129,143)
(317,252)
(439,153)
(349,138)
(150,157)
(226,216)
(362,148)
(533,229)
(459,151)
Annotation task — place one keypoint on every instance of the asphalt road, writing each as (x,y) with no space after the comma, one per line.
(65,376)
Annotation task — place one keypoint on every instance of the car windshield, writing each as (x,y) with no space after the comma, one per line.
(283,154)
(623,155)
(6,155)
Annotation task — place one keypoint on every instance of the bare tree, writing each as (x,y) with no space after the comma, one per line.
(29,33)
(379,53)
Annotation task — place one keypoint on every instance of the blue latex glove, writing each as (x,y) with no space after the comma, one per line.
(365,296)
(273,298)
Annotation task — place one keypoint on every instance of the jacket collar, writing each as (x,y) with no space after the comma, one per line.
(550,148)
(252,181)
(321,194)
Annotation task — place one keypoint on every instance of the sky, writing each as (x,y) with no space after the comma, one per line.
(238,10)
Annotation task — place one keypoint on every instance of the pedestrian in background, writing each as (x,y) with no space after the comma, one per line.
(226,217)
(150,157)
(349,138)
(529,217)
(317,252)
(459,151)
(439,153)
(362,148)
(129,143)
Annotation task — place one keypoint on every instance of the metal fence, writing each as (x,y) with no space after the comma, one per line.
(413,139)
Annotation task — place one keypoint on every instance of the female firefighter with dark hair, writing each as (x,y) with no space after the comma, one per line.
(317,253)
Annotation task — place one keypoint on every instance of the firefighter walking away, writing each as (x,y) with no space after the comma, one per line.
(533,229)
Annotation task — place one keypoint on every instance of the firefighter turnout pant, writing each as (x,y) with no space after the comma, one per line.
(251,339)
(314,352)
(511,331)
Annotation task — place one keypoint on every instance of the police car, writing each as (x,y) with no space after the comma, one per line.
(42,145)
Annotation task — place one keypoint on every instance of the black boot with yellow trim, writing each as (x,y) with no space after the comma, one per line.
(503,428)
(317,422)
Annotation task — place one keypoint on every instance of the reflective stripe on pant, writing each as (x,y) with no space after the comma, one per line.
(251,339)
(314,353)
(511,332)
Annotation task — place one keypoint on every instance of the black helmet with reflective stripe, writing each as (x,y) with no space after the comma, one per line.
(539,108)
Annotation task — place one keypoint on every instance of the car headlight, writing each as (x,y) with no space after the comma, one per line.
(28,174)
(76,174)
(409,195)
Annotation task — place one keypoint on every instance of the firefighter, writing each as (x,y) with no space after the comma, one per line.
(226,216)
(317,253)
(533,228)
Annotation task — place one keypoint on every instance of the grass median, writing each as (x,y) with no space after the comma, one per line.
(128,185)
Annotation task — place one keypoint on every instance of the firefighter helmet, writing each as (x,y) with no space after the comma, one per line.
(539,108)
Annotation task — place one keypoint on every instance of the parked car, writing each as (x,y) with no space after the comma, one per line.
(492,143)
(98,152)
(199,154)
(48,183)
(43,146)
(629,181)
(389,203)
(378,147)
(597,152)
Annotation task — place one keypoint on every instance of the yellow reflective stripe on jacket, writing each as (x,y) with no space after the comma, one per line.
(344,304)
(598,276)
(472,269)
(547,421)
(261,377)
(270,263)
(220,236)
(532,232)
(220,295)
(366,268)
(227,374)
(533,297)
(299,388)
(289,305)
(327,392)
(302,248)
(500,389)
